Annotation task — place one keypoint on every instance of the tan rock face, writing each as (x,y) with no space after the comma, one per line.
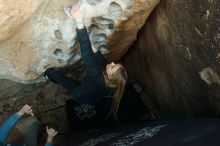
(36,35)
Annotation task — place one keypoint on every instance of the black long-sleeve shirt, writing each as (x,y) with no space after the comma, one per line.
(92,88)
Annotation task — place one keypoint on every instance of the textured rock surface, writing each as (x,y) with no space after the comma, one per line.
(176,57)
(36,35)
(47,99)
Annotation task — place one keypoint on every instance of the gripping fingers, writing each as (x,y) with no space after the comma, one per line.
(51,132)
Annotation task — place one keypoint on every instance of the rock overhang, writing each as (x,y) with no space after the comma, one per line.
(39,35)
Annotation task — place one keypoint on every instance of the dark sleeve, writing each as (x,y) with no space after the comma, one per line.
(88,57)
(100,58)
(7,126)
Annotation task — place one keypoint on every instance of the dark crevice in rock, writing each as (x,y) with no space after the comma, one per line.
(99,39)
(103,49)
(58,53)
(58,34)
(106,25)
(99,30)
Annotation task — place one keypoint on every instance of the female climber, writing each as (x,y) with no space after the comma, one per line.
(98,82)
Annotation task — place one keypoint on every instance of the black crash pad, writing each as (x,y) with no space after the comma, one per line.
(172,131)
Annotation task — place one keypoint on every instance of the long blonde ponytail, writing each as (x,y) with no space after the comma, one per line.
(118,80)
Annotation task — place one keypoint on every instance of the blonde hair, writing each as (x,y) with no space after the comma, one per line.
(118,81)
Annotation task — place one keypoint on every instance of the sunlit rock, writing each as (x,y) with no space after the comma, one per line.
(36,35)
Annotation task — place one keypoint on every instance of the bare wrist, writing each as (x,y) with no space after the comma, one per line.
(80,25)
(20,113)
(50,139)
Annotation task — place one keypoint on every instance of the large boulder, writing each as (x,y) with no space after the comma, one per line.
(36,35)
(176,57)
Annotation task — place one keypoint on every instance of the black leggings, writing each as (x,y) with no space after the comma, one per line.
(59,78)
